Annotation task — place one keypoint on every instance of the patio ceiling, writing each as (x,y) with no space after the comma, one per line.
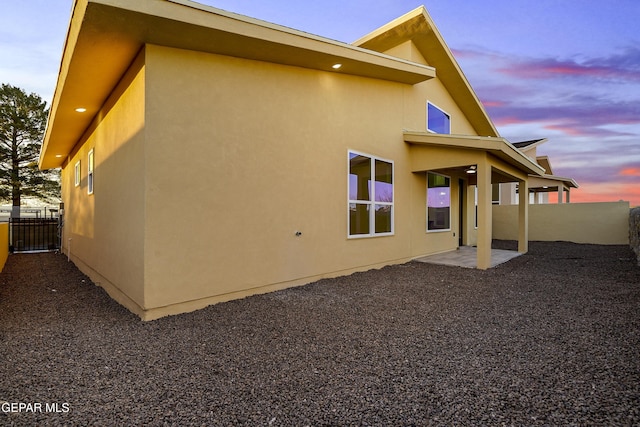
(549,183)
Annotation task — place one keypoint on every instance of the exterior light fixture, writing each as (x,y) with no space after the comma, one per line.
(80,110)
(471,169)
(59,155)
(336,66)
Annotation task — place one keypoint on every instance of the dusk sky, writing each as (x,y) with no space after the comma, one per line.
(566,70)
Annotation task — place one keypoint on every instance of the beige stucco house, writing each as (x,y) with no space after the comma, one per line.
(539,186)
(207,156)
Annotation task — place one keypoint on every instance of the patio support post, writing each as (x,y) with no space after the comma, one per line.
(523,217)
(484,215)
(568,194)
(560,193)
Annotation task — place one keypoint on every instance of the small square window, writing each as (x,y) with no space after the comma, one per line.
(77,174)
(437,120)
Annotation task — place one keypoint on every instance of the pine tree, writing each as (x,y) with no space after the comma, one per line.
(22,124)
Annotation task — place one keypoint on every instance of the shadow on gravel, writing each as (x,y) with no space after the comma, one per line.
(549,338)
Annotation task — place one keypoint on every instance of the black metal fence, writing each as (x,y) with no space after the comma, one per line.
(33,234)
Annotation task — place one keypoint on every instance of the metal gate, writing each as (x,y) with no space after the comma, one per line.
(33,234)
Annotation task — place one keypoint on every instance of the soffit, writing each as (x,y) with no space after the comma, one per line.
(548,180)
(545,163)
(105,36)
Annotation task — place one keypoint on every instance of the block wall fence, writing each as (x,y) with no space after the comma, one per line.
(634,231)
(605,223)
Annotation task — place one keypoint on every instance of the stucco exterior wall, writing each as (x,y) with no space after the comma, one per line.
(246,154)
(596,223)
(408,51)
(103,231)
(417,96)
(207,166)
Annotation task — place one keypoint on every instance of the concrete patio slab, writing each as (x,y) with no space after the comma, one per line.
(466,256)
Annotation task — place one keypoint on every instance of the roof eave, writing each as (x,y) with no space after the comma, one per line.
(499,147)
(568,181)
(105,36)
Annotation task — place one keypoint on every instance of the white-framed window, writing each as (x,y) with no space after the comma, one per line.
(370,185)
(76,174)
(90,168)
(438,202)
(438,121)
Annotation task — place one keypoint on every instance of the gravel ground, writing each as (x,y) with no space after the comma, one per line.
(549,338)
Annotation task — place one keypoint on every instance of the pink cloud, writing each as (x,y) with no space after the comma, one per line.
(606,192)
(494,103)
(630,171)
(567,129)
(470,53)
(621,66)
(578,115)
(505,121)
(552,67)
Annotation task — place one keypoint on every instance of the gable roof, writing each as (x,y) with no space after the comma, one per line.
(545,163)
(104,37)
(529,144)
(418,27)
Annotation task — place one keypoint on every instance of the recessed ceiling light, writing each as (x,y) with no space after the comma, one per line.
(59,155)
(336,66)
(81,110)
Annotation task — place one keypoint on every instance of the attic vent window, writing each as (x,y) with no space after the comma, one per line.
(437,120)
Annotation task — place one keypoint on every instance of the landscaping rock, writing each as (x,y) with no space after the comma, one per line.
(549,338)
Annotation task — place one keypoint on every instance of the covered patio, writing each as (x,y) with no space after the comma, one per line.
(551,184)
(476,161)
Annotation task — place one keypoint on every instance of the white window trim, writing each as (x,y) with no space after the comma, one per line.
(440,230)
(371,202)
(427,118)
(76,174)
(91,165)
